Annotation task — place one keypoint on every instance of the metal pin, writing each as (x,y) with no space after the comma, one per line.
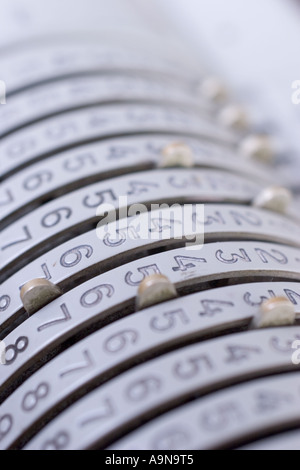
(278,311)
(257,147)
(274,198)
(233,117)
(37,293)
(177,154)
(154,289)
(214,90)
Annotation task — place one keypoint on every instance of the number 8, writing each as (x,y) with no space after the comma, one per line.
(17,348)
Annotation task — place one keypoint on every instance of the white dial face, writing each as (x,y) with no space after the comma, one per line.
(150,262)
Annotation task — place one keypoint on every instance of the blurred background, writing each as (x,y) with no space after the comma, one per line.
(252,45)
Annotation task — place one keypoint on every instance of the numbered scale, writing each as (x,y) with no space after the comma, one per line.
(89,206)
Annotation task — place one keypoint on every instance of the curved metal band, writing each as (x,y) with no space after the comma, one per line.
(118,243)
(223,419)
(79,127)
(52,223)
(27,69)
(166,382)
(64,95)
(97,161)
(140,336)
(114,292)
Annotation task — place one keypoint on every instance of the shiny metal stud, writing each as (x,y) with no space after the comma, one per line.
(177,154)
(214,90)
(257,147)
(233,117)
(274,198)
(278,311)
(154,289)
(37,293)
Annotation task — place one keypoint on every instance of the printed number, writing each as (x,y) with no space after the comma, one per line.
(28,237)
(19,148)
(53,218)
(264,255)
(286,346)
(217,218)
(263,298)
(247,218)
(100,198)
(172,439)
(139,187)
(6,423)
(140,389)
(59,442)
(117,342)
(32,398)
(33,182)
(234,257)
(46,271)
(168,320)
(145,271)
(17,348)
(4,302)
(61,131)
(120,152)
(105,411)
(192,366)
(183,183)
(96,295)
(79,366)
(70,164)
(212,307)
(221,417)
(75,256)
(9,198)
(186,262)
(267,401)
(240,353)
(66,317)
